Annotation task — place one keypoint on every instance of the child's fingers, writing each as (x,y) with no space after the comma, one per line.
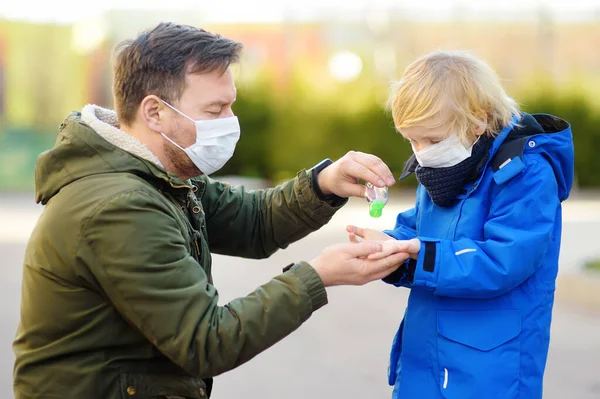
(390,247)
(352,237)
(356,231)
(380,255)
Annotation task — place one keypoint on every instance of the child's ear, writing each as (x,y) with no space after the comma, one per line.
(482,125)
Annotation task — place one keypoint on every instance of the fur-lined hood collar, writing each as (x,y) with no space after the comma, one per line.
(91,143)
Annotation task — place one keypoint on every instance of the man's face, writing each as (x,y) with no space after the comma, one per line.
(206,96)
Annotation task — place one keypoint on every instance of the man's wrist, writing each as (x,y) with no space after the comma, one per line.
(317,188)
(312,280)
(321,272)
(313,265)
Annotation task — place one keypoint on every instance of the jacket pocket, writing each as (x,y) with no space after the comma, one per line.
(479,354)
(146,386)
(394,368)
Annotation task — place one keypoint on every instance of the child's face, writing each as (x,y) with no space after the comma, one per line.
(421,137)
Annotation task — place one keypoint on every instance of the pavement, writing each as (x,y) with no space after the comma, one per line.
(342,351)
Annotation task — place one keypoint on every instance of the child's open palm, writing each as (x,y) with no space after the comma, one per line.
(356,234)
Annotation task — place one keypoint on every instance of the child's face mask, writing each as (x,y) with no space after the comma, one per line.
(446,153)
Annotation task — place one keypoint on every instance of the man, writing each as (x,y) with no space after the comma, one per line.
(117,296)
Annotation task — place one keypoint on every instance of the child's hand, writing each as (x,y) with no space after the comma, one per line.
(410,247)
(354,233)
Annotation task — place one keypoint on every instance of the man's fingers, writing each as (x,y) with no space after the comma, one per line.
(383,267)
(353,190)
(375,165)
(384,254)
(359,170)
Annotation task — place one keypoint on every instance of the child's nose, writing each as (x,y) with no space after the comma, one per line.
(418,146)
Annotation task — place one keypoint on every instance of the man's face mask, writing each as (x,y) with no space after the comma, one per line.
(446,153)
(215,142)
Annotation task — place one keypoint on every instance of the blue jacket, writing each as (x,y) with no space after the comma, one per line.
(477,325)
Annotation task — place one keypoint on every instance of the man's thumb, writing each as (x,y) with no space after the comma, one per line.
(355,190)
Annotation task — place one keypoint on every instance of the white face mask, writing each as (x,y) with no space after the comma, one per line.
(215,142)
(446,153)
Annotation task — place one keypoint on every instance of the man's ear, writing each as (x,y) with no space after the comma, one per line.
(153,112)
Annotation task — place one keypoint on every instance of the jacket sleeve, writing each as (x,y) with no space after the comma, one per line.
(519,227)
(406,224)
(255,224)
(405,229)
(137,252)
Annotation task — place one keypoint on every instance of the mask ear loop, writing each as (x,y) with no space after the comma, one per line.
(176,110)
(180,113)
(172,142)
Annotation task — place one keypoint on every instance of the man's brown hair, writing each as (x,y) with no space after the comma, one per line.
(157,61)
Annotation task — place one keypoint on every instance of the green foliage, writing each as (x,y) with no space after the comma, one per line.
(285,130)
(19,149)
(254,111)
(585,123)
(283,135)
(593,265)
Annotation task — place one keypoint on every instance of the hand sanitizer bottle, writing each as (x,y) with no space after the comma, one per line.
(377,198)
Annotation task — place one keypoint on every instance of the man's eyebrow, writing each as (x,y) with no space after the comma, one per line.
(220,103)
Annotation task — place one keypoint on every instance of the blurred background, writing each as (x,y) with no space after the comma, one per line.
(314,76)
(312,84)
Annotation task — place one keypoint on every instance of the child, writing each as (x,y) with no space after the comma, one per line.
(484,235)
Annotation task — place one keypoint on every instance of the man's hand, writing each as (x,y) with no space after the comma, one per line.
(389,248)
(347,264)
(356,234)
(341,177)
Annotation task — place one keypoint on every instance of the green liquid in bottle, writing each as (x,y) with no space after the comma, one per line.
(376,208)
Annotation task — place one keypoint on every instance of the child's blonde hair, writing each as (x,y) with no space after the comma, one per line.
(451,89)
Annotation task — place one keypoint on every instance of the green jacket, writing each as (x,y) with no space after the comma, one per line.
(117,296)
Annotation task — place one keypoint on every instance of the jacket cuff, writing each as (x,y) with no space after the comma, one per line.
(427,267)
(331,199)
(312,283)
(319,208)
(402,276)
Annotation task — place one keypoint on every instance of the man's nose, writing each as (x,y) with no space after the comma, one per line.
(228,113)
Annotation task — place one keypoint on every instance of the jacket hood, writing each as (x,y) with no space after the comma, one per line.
(90,143)
(552,137)
(541,133)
